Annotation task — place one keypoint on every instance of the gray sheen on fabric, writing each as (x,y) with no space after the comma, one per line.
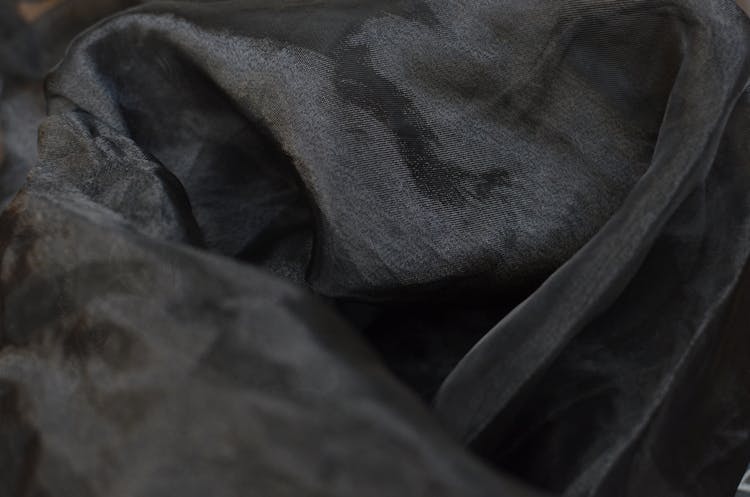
(376,248)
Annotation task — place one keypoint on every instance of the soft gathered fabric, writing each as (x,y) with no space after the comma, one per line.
(375,248)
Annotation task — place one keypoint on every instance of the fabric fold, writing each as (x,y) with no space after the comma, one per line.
(383,248)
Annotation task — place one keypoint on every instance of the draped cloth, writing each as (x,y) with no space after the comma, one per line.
(376,248)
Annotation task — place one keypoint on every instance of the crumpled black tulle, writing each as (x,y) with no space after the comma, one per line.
(375,248)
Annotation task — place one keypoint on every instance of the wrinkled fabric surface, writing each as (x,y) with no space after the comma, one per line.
(375,248)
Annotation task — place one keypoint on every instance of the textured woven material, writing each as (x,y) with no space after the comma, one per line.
(376,248)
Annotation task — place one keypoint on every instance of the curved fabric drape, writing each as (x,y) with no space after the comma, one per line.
(392,247)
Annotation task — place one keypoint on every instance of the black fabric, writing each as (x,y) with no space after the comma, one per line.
(387,248)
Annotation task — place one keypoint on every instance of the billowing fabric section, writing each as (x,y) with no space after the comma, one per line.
(377,248)
(33,37)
